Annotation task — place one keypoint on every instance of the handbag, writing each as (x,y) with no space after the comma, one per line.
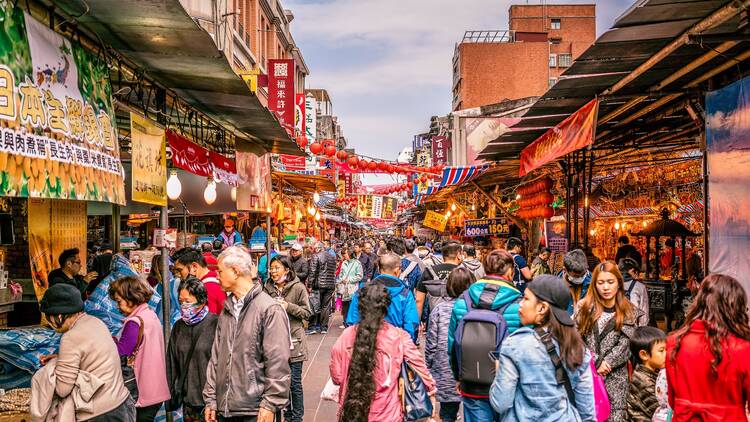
(177,398)
(330,391)
(412,390)
(601,398)
(128,362)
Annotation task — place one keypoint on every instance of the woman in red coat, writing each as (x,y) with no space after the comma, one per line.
(708,359)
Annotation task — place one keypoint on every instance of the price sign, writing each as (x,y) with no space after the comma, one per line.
(486,227)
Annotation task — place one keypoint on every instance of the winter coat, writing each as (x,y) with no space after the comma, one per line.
(613,346)
(507,294)
(194,372)
(694,391)
(436,352)
(249,366)
(412,277)
(402,312)
(476,267)
(301,267)
(322,273)
(298,310)
(541,266)
(525,387)
(348,279)
(393,346)
(642,401)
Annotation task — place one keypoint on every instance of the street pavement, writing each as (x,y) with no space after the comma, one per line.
(315,373)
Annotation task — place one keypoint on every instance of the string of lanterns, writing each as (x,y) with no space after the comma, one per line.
(356,163)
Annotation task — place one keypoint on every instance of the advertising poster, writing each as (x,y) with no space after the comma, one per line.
(728,149)
(481,131)
(390,208)
(149,156)
(311,119)
(281,98)
(424,159)
(299,116)
(254,178)
(486,227)
(58,138)
(435,221)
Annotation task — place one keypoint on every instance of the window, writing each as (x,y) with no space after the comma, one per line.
(555,24)
(553,60)
(565,60)
(551,82)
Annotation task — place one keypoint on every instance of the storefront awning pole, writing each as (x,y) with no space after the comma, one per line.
(166,287)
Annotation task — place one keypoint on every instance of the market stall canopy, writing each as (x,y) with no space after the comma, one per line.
(172,48)
(306,182)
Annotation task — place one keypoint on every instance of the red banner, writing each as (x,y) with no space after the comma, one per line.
(188,155)
(281,91)
(573,133)
(293,162)
(348,183)
(225,169)
(440,147)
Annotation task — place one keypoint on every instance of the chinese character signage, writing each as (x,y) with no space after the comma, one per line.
(440,147)
(311,119)
(435,221)
(486,227)
(149,155)
(390,205)
(423,160)
(281,98)
(299,116)
(188,155)
(58,138)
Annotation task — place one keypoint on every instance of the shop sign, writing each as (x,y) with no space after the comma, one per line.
(311,119)
(440,147)
(281,91)
(224,169)
(149,155)
(254,178)
(292,162)
(435,220)
(189,156)
(58,138)
(348,183)
(573,133)
(299,116)
(486,227)
(420,141)
(341,188)
(390,207)
(424,159)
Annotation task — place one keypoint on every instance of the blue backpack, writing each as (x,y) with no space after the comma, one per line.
(481,331)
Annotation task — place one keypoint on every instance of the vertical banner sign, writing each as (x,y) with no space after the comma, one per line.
(58,135)
(364,206)
(377,207)
(327,164)
(728,150)
(348,183)
(573,133)
(311,119)
(440,147)
(281,91)
(299,116)
(341,188)
(390,206)
(423,160)
(254,177)
(149,155)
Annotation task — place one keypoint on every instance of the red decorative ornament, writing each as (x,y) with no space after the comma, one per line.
(423,179)
(330,150)
(316,148)
(302,142)
(383,166)
(391,168)
(353,161)
(341,155)
(372,165)
(364,164)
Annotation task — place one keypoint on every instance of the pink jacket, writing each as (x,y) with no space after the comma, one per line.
(394,346)
(150,361)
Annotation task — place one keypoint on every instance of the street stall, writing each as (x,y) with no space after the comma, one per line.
(300,204)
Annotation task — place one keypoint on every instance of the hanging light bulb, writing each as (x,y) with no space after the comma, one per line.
(209,194)
(617,225)
(453,207)
(317,216)
(233,193)
(518,197)
(174,186)
(311,210)
(645,223)
(592,232)
(448,214)
(473,207)
(316,197)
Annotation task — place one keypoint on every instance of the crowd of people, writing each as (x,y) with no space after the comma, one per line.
(483,332)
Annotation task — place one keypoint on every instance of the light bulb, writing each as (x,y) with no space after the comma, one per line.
(311,210)
(518,197)
(233,193)
(209,194)
(316,197)
(317,216)
(453,207)
(592,232)
(174,186)
(473,207)
(617,226)
(645,223)
(448,214)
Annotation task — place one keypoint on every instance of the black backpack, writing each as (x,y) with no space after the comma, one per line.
(436,289)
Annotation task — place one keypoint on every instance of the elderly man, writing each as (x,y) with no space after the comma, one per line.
(248,376)
(322,278)
(299,263)
(402,312)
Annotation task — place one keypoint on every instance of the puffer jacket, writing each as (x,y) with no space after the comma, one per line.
(322,273)
(301,267)
(436,352)
(298,311)
(249,366)
(642,402)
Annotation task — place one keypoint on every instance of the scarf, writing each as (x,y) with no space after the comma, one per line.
(191,314)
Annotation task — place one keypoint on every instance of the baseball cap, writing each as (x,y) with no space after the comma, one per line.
(552,289)
(296,246)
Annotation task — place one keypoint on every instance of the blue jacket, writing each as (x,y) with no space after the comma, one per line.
(263,266)
(525,388)
(402,312)
(414,276)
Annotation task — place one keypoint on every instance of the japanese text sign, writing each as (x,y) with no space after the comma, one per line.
(149,157)
(281,97)
(486,227)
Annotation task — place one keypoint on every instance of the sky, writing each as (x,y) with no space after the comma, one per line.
(387,64)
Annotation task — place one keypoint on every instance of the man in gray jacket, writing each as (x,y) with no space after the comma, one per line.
(248,375)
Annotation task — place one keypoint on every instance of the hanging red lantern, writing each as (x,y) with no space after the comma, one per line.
(353,161)
(549,212)
(391,168)
(383,166)
(372,165)
(302,142)
(423,179)
(330,150)
(341,155)
(316,148)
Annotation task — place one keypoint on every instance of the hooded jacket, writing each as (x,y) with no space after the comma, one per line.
(476,267)
(402,312)
(298,310)
(249,366)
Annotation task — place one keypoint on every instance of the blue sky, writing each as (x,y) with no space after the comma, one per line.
(387,63)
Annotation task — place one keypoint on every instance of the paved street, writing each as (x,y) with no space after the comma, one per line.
(315,374)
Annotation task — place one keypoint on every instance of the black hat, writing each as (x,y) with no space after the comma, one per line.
(552,289)
(61,299)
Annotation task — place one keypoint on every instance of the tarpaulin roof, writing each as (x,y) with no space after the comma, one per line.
(174,50)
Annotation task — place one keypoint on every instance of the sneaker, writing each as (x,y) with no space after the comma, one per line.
(324,331)
(311,331)
(341,327)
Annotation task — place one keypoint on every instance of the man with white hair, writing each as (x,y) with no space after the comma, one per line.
(248,375)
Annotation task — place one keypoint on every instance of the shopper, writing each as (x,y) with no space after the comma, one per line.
(248,375)
(411,249)
(471,262)
(366,362)
(189,261)
(402,312)
(708,359)
(576,273)
(322,278)
(496,292)
(291,294)
(606,319)
(69,272)
(300,265)
(101,265)
(540,264)
(431,287)
(626,250)
(436,345)
(190,350)
(544,368)
(647,347)
(521,271)
(364,259)
(207,252)
(142,337)
(410,272)
(85,347)
(347,282)
(635,291)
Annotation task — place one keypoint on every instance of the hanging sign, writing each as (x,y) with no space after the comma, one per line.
(435,220)
(486,227)
(573,133)
(299,116)
(390,207)
(292,162)
(189,156)
(58,138)
(149,156)
(224,169)
(440,147)
(254,178)
(311,119)
(281,91)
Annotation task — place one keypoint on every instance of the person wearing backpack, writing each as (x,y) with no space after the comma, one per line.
(544,371)
(481,319)
(521,271)
(410,272)
(436,345)
(402,312)
(431,287)
(635,291)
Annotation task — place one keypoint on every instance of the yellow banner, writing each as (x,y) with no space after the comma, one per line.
(149,156)
(435,221)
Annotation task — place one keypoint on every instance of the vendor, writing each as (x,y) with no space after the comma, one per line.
(259,234)
(229,236)
(69,272)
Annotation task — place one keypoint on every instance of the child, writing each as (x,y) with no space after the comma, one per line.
(663,412)
(648,348)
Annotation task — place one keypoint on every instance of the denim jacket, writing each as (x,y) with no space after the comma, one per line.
(525,388)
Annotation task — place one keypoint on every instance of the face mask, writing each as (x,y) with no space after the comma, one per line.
(576,281)
(192,313)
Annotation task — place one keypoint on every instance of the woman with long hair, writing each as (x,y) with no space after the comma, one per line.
(708,359)
(606,320)
(526,386)
(366,362)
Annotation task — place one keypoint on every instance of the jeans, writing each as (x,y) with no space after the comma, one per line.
(295,411)
(345,309)
(479,410)
(326,297)
(148,413)
(449,410)
(122,413)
